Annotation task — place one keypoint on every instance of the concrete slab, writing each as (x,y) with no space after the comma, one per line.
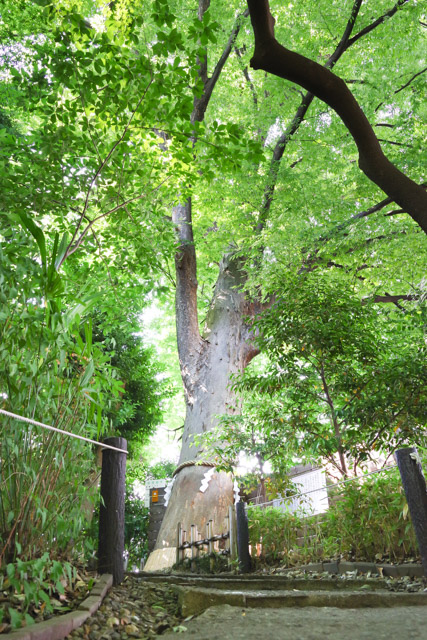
(233,623)
(195,600)
(264,583)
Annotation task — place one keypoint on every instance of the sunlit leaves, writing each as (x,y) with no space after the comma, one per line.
(342,374)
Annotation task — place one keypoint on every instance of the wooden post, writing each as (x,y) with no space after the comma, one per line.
(232,530)
(178,543)
(414,485)
(193,548)
(111,539)
(245,563)
(210,545)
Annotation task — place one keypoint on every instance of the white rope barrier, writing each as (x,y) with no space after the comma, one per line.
(331,486)
(66,433)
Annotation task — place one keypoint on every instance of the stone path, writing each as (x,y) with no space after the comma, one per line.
(147,607)
(284,607)
(310,623)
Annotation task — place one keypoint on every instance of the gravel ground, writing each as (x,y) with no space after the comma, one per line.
(411,585)
(134,609)
(139,609)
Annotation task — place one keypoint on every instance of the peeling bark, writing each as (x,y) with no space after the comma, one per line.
(190,343)
(227,349)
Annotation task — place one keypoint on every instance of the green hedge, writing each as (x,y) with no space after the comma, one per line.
(367,520)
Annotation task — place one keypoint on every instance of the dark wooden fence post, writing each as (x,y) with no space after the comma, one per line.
(111,540)
(245,563)
(414,485)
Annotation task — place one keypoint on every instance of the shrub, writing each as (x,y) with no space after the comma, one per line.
(367,520)
(276,530)
(35,586)
(136,527)
(50,373)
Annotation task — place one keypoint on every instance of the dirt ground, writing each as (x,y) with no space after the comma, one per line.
(309,623)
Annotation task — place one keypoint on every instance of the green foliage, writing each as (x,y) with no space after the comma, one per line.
(136,527)
(344,376)
(366,520)
(139,409)
(160,470)
(97,145)
(369,520)
(49,373)
(275,530)
(35,584)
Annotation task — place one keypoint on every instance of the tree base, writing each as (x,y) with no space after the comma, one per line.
(160,559)
(188,505)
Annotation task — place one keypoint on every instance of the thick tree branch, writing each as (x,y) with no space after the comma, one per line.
(272,57)
(345,43)
(299,116)
(390,299)
(201,104)
(187,324)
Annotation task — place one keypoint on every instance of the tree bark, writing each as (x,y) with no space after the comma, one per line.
(111,544)
(207,363)
(272,57)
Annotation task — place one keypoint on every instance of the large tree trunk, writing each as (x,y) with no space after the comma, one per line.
(207,362)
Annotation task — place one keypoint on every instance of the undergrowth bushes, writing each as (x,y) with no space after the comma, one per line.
(367,520)
(51,371)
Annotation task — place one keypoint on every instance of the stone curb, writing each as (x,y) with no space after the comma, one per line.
(412,570)
(193,601)
(270,583)
(60,626)
(387,570)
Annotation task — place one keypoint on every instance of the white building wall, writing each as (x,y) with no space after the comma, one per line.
(313,481)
